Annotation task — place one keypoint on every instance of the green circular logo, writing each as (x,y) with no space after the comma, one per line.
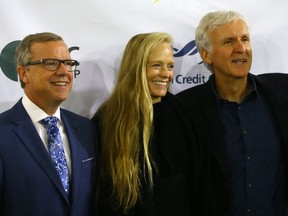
(7,62)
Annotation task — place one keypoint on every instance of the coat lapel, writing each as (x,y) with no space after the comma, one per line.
(71,128)
(278,101)
(25,130)
(209,109)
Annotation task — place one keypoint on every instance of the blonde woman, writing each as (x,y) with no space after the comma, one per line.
(145,163)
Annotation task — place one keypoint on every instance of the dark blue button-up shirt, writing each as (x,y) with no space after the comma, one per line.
(255,161)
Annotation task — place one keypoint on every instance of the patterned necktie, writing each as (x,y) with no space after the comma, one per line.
(56,149)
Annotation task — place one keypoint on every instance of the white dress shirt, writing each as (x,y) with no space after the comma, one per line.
(36,114)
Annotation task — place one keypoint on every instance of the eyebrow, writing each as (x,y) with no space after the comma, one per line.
(231,37)
(160,61)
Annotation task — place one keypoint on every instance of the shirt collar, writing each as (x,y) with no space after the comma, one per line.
(36,113)
(251,82)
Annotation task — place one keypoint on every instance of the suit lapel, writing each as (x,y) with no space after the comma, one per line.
(76,152)
(279,105)
(25,130)
(209,108)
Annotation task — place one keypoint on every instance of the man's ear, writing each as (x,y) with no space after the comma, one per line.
(22,72)
(206,57)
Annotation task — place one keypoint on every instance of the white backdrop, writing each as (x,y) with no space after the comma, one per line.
(101,29)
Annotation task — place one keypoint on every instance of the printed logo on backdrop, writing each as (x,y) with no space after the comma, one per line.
(8,65)
(189,69)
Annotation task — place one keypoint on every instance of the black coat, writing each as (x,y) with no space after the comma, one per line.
(201,98)
(176,152)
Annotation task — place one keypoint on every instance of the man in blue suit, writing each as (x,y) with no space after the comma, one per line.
(29,182)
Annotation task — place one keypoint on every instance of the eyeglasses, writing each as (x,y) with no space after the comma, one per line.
(54,64)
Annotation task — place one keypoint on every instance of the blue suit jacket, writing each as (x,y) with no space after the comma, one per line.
(29,183)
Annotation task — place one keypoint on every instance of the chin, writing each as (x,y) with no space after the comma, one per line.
(158,92)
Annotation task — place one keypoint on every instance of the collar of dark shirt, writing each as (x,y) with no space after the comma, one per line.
(251,82)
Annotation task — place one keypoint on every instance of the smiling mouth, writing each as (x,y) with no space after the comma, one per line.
(161,83)
(239,61)
(59,83)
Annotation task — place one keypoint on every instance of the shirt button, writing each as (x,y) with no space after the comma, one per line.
(248,157)
(250,185)
(244,132)
(249,210)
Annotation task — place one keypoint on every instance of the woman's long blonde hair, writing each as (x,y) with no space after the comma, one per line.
(126,122)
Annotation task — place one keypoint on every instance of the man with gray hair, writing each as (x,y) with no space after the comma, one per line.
(247,121)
